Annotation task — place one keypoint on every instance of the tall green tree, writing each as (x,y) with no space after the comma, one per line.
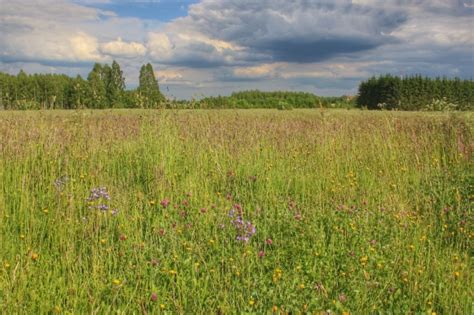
(148,88)
(97,87)
(115,86)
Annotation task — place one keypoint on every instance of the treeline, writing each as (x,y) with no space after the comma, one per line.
(416,93)
(280,99)
(103,88)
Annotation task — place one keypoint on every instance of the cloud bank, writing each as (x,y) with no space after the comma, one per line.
(223,45)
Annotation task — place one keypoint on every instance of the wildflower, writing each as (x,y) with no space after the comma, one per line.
(277,274)
(154,297)
(164,203)
(98,193)
(173,272)
(45,211)
(103,208)
(162,306)
(251,302)
(261,254)
(301,286)
(456,274)
(34,256)
(245,230)
(269,241)
(203,210)
(363,260)
(342,298)
(116,282)
(60,182)
(152,202)
(274,309)
(123,237)
(22,236)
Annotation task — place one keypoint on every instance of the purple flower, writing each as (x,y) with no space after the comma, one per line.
(98,193)
(244,230)
(103,207)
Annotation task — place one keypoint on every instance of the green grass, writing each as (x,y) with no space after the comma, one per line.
(366,212)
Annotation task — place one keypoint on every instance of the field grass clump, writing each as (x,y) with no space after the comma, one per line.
(260,211)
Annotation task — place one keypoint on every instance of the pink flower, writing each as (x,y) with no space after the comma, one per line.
(261,254)
(269,241)
(164,203)
(154,297)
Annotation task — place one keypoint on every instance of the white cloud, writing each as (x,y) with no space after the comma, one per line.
(224,45)
(119,48)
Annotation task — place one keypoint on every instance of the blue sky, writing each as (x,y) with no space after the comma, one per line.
(162,10)
(211,47)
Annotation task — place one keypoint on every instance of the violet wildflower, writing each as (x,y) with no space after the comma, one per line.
(245,229)
(60,182)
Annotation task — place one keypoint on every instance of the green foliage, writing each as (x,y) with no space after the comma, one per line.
(278,99)
(148,89)
(416,93)
(104,88)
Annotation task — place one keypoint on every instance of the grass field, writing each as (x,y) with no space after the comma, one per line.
(256,211)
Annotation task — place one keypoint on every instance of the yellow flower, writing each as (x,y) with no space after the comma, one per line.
(34,256)
(102,241)
(251,302)
(45,211)
(301,286)
(457,274)
(22,236)
(116,282)
(162,306)
(172,272)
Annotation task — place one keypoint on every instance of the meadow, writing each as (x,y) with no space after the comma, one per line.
(236,211)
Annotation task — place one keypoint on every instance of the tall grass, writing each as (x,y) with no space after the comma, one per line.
(354,212)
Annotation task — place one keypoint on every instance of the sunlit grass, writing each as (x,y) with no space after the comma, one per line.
(353,212)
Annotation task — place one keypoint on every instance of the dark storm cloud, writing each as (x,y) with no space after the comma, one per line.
(295,31)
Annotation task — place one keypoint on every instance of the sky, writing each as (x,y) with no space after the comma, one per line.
(213,47)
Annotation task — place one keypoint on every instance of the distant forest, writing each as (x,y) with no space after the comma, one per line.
(104,87)
(416,93)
